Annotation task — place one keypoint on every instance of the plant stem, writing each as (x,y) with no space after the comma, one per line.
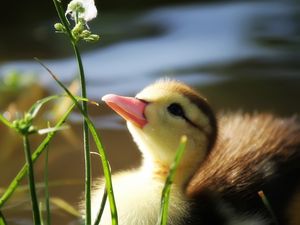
(2,219)
(5,121)
(165,197)
(87,156)
(16,181)
(34,200)
(63,19)
(47,202)
(105,164)
(102,205)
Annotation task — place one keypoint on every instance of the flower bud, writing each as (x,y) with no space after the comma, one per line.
(59,27)
(92,38)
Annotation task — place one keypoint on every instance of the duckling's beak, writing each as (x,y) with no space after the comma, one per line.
(131,109)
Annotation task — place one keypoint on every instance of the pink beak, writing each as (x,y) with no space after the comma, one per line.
(131,109)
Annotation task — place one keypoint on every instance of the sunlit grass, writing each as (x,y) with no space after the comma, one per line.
(165,198)
(74,37)
(103,157)
(25,128)
(39,150)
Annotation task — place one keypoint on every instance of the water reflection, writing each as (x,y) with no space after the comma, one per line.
(193,35)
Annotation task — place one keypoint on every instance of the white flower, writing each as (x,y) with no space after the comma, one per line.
(84,9)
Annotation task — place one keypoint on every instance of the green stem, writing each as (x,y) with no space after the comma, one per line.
(165,197)
(34,200)
(63,19)
(87,156)
(5,121)
(47,201)
(18,178)
(2,219)
(104,161)
(102,205)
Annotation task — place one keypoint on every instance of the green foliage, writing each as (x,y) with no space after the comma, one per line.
(24,126)
(2,219)
(81,32)
(31,181)
(105,163)
(102,205)
(14,81)
(18,178)
(165,198)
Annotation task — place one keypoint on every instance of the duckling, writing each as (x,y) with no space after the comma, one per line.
(224,163)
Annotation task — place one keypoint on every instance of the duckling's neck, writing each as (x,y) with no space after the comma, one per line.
(159,170)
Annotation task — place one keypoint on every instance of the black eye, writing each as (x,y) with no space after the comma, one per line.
(176,110)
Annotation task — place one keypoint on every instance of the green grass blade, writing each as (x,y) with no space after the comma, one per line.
(2,219)
(63,19)
(105,164)
(66,207)
(37,106)
(41,213)
(31,182)
(5,121)
(103,202)
(16,181)
(165,198)
(46,181)
(87,156)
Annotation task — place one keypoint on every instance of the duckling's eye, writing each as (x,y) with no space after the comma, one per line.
(176,110)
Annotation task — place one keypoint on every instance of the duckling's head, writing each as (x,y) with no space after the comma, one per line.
(160,114)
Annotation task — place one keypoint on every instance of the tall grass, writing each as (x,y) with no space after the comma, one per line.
(103,157)
(165,197)
(31,181)
(46,182)
(2,219)
(25,128)
(87,158)
(39,150)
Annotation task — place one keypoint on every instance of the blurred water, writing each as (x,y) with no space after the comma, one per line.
(192,36)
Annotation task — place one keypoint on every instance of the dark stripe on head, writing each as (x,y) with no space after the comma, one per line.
(202,104)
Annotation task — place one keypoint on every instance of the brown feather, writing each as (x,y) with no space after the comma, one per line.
(250,149)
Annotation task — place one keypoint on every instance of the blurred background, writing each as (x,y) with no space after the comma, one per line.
(242,55)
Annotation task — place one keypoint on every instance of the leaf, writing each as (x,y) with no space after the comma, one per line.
(16,181)
(100,212)
(52,129)
(65,206)
(5,121)
(2,220)
(37,106)
(163,218)
(105,164)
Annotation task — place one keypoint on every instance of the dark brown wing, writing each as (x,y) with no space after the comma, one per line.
(253,152)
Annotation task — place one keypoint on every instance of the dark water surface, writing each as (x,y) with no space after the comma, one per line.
(240,55)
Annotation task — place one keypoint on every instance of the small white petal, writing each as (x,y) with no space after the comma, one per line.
(90,10)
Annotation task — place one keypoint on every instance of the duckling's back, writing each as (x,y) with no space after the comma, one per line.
(256,155)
